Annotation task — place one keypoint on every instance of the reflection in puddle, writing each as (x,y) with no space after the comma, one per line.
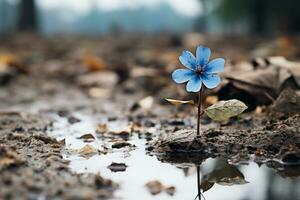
(219,180)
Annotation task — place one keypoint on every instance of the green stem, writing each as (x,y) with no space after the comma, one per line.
(199,113)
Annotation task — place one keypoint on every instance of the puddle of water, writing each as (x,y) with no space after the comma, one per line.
(229,181)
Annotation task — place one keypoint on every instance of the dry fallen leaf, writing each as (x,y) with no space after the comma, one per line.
(262,84)
(287,102)
(93,63)
(88,151)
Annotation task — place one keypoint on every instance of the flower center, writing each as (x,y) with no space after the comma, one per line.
(199,71)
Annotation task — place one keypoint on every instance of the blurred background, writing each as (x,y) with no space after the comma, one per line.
(247,17)
(67,38)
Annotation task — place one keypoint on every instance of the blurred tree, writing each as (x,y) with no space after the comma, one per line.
(254,11)
(263,16)
(27,16)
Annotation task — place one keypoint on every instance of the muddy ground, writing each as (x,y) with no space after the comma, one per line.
(119,79)
(32,166)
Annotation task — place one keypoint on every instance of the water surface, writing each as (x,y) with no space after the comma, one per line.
(242,182)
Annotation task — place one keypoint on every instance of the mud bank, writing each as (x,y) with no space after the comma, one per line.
(260,139)
(32,167)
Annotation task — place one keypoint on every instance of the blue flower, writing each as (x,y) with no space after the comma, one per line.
(199,71)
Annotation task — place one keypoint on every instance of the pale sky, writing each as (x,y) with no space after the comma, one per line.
(190,8)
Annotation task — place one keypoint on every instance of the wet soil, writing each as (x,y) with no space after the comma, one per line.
(32,166)
(259,138)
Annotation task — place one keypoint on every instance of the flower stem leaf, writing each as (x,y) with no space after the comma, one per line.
(224,110)
(180,102)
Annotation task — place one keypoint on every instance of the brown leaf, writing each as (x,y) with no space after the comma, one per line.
(88,151)
(93,63)
(287,102)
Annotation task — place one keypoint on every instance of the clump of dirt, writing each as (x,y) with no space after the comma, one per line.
(261,140)
(31,165)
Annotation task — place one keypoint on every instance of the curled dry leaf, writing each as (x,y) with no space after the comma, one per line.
(262,83)
(223,110)
(179,102)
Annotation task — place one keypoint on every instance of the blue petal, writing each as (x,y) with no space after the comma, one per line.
(202,55)
(214,66)
(188,60)
(211,80)
(182,75)
(194,85)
